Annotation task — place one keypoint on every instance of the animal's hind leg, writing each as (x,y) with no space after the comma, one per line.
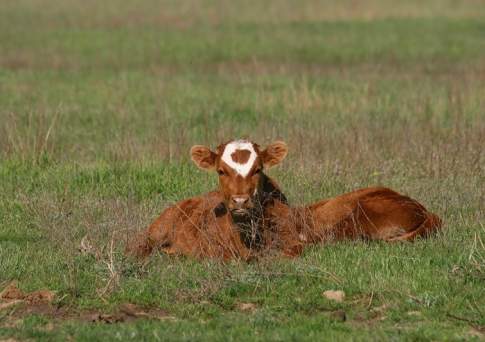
(430,224)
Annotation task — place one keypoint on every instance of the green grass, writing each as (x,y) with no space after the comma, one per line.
(100,103)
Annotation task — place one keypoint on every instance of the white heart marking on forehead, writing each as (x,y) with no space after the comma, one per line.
(242,169)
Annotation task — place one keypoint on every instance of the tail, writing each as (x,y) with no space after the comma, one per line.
(431,224)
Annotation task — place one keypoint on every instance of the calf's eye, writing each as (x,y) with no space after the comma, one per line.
(220,172)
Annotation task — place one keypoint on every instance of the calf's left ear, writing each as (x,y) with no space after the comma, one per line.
(274,154)
(203,157)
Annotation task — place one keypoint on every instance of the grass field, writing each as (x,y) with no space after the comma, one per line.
(100,102)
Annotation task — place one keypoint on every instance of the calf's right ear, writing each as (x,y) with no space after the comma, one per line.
(203,157)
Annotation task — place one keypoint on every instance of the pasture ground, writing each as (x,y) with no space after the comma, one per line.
(100,102)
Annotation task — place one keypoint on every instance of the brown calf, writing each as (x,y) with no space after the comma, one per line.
(249,212)
(227,223)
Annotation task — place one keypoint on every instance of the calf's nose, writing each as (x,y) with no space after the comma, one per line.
(240,200)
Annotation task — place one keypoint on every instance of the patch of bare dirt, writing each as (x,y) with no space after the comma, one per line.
(125,312)
(15,305)
(12,294)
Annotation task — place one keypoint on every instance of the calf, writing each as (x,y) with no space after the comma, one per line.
(248,213)
(229,222)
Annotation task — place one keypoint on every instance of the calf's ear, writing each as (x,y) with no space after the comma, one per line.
(203,157)
(274,154)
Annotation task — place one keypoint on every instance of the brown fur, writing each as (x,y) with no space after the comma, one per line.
(206,226)
(374,213)
(241,156)
(194,228)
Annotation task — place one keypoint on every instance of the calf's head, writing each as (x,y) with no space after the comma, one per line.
(240,165)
